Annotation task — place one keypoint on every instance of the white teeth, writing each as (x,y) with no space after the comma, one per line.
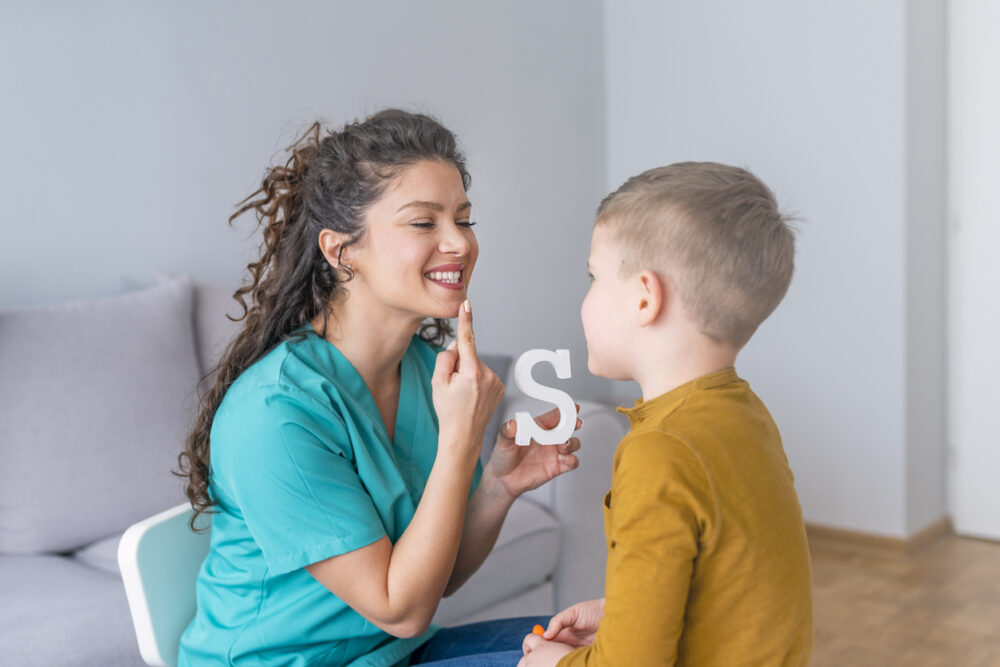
(445,276)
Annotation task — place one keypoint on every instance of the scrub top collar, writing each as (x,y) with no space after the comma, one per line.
(347,376)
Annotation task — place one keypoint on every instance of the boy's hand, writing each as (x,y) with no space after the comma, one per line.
(521,469)
(539,652)
(576,625)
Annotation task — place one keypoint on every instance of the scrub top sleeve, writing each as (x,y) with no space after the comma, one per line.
(295,481)
(477,476)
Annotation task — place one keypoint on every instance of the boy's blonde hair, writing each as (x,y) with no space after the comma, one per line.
(715,232)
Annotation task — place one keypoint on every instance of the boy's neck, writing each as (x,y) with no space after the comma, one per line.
(668,368)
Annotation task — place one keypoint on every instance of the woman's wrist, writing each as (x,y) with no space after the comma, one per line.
(455,450)
(493,487)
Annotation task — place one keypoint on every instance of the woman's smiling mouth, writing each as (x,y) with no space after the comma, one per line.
(448,276)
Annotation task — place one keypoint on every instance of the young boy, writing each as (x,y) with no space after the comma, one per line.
(707,555)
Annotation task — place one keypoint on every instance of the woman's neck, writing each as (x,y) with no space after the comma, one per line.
(372,339)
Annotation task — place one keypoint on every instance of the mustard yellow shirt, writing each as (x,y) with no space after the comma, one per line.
(707,556)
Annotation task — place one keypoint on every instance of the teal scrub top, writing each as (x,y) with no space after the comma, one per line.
(302,469)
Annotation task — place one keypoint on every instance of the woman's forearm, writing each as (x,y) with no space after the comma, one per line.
(484,517)
(398,586)
(425,555)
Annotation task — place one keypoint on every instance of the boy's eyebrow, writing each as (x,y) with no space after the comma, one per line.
(433,205)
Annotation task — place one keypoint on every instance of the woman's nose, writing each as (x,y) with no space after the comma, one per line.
(454,240)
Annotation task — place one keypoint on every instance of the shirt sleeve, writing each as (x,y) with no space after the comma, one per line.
(288,464)
(659,500)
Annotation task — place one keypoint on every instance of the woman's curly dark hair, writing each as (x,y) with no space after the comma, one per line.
(328,182)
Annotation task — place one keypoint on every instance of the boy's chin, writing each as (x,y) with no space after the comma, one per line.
(596,368)
(605,370)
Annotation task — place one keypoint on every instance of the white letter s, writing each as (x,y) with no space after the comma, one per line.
(527,429)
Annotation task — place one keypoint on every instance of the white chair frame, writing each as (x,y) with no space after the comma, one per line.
(159,559)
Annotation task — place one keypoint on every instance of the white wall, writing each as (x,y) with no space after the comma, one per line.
(129,130)
(926,259)
(974,200)
(813,98)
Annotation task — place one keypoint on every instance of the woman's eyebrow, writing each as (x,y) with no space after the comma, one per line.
(434,206)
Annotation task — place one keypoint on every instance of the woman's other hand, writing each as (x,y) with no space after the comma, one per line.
(522,468)
(466,392)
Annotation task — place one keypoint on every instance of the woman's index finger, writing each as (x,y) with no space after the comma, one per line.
(466,337)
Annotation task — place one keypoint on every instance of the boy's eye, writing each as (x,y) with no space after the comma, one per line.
(422,225)
(466,223)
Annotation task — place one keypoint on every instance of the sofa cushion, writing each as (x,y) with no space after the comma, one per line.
(96,399)
(101,555)
(55,611)
(524,556)
(537,601)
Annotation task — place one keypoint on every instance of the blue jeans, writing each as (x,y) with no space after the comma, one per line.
(486,644)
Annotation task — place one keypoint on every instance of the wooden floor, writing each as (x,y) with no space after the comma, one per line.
(939,606)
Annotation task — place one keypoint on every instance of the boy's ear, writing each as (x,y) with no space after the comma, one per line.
(330,244)
(652,297)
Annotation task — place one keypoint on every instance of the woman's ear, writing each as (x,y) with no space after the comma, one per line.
(333,246)
(652,297)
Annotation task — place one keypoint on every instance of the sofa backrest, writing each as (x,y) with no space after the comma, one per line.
(213,329)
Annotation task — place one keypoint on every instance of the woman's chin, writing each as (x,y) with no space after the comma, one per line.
(449,311)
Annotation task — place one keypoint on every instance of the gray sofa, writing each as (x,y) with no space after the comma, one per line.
(95,400)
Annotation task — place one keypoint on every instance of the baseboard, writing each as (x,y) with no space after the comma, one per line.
(869,542)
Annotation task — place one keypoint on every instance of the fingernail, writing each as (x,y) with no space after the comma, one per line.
(452,345)
(579,422)
(467,306)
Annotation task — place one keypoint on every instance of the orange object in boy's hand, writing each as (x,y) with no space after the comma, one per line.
(538,630)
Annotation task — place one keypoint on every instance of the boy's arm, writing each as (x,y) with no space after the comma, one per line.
(660,501)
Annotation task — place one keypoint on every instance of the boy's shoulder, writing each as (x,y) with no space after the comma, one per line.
(654,455)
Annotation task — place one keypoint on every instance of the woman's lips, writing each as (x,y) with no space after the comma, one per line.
(448,276)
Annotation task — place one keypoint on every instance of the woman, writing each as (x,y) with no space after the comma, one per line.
(343,474)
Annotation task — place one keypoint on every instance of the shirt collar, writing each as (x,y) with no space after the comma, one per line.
(657,405)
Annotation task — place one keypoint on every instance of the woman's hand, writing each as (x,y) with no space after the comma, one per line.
(576,625)
(519,469)
(466,392)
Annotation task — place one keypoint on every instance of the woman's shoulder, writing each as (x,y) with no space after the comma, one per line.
(279,391)
(291,368)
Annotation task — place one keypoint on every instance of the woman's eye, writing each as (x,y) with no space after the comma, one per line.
(422,225)
(465,223)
